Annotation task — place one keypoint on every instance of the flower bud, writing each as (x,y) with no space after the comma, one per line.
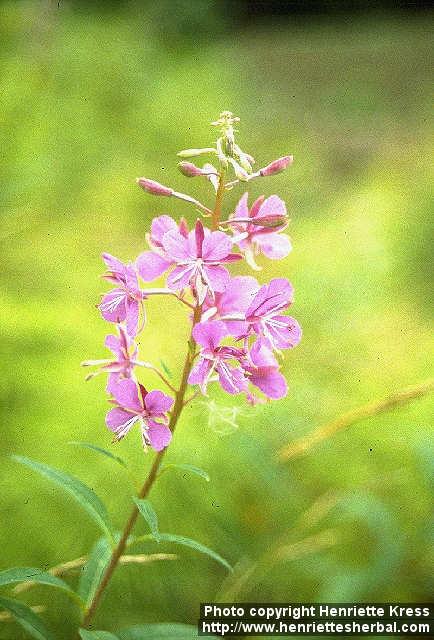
(276,166)
(155,188)
(190,153)
(190,170)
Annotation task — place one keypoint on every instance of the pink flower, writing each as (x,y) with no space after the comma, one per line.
(136,405)
(125,351)
(123,302)
(257,230)
(231,305)
(263,372)
(216,358)
(151,264)
(263,315)
(199,258)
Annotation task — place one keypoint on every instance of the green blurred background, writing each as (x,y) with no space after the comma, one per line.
(95,94)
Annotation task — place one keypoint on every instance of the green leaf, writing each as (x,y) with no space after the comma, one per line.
(96,635)
(104,452)
(27,618)
(30,574)
(81,492)
(197,546)
(94,569)
(187,467)
(169,630)
(166,369)
(148,512)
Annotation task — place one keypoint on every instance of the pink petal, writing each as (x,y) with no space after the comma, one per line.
(113,264)
(176,246)
(126,394)
(199,374)
(231,379)
(112,305)
(256,206)
(112,343)
(218,277)
(242,210)
(216,246)
(157,403)
(272,206)
(180,277)
(274,245)
(270,381)
(287,333)
(116,418)
(160,226)
(132,316)
(150,265)
(275,296)
(209,334)
(262,356)
(159,435)
(238,294)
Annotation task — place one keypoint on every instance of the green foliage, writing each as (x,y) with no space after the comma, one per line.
(187,467)
(197,546)
(29,620)
(171,631)
(148,512)
(103,452)
(93,570)
(76,488)
(97,635)
(91,101)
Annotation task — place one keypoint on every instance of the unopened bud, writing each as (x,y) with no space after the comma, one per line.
(155,188)
(276,166)
(190,153)
(271,221)
(190,170)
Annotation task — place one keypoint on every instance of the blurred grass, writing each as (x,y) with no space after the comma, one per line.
(91,101)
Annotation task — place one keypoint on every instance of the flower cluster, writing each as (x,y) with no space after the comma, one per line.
(238,325)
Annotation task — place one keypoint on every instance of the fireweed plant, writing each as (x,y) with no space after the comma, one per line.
(238,329)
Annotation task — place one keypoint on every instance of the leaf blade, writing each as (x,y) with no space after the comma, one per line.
(148,512)
(76,488)
(96,635)
(157,631)
(27,618)
(188,467)
(197,546)
(97,449)
(93,570)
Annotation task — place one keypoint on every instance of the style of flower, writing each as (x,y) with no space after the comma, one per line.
(123,302)
(136,405)
(216,358)
(257,230)
(198,258)
(263,372)
(122,366)
(264,318)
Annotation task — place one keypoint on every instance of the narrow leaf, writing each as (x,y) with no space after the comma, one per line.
(197,546)
(157,631)
(166,369)
(148,512)
(80,492)
(27,618)
(104,452)
(30,574)
(96,635)
(94,569)
(189,468)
